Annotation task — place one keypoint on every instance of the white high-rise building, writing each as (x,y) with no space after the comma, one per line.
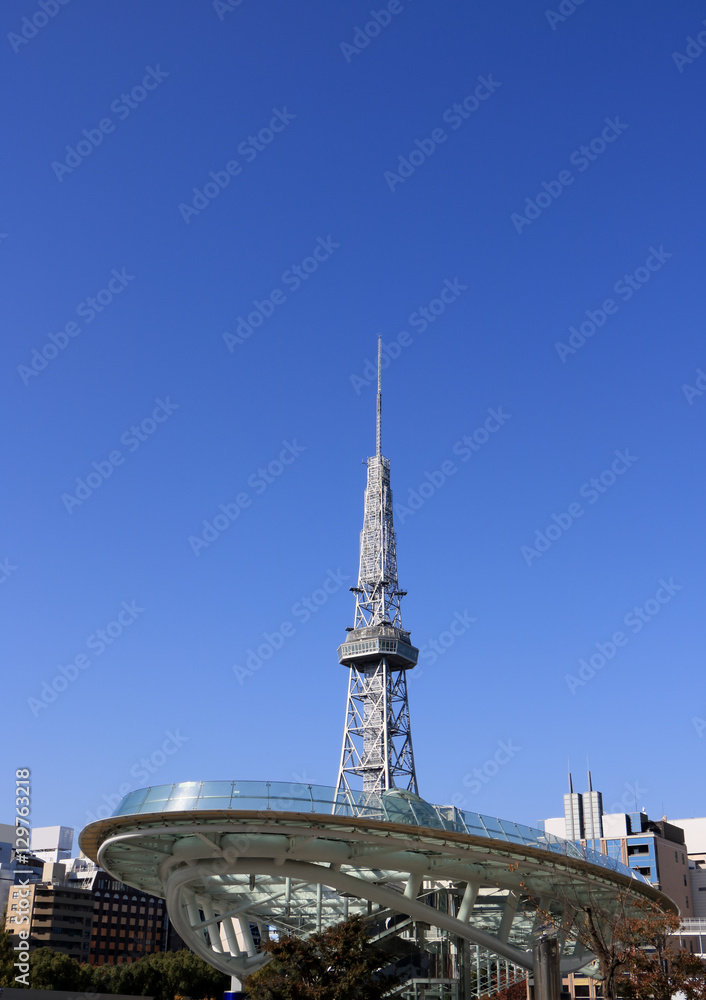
(52,843)
(573,813)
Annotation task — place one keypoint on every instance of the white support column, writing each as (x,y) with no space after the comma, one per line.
(194,915)
(414,884)
(319,906)
(213,929)
(246,936)
(231,937)
(468,902)
(508,916)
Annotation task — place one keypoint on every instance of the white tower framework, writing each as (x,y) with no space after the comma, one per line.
(377,738)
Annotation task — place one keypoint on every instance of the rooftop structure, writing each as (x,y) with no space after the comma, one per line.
(52,843)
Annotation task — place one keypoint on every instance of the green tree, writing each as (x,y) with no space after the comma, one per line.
(163,975)
(337,964)
(7,956)
(52,970)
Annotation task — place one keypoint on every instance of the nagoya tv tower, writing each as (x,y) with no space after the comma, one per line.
(377,738)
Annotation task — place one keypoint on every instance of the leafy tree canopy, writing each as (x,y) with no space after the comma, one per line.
(337,964)
(163,975)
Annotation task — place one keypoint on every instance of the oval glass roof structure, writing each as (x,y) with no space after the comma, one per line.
(395,806)
(231,857)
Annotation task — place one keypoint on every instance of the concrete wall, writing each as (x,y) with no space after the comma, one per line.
(698,891)
(694,833)
(673,867)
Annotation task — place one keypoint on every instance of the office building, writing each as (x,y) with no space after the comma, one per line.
(82,911)
(60,917)
(11,870)
(655,849)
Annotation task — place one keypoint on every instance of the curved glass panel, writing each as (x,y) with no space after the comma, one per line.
(394,806)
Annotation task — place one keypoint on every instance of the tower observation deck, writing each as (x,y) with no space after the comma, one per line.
(377,738)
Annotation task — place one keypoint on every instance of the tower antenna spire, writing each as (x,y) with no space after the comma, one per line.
(377,736)
(378,438)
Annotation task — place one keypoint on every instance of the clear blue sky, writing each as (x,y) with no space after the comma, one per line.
(152,100)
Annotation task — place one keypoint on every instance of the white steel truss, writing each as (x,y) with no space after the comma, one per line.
(377,741)
(377,738)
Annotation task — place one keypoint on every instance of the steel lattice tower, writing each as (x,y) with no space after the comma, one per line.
(377,737)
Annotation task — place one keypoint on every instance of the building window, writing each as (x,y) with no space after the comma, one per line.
(687,902)
(685,880)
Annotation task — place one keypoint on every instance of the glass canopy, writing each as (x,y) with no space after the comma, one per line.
(394,806)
